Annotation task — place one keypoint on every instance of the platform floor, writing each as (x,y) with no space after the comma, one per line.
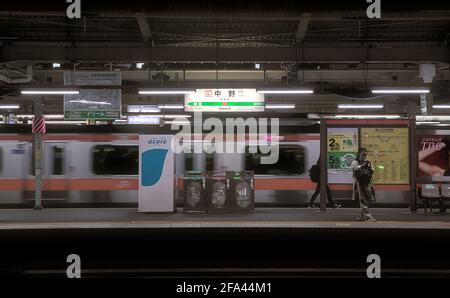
(117,218)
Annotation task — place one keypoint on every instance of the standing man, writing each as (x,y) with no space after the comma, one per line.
(363,184)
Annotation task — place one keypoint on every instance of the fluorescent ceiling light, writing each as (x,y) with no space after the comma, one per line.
(9,107)
(143,109)
(432,118)
(164,92)
(367,116)
(91,102)
(162,116)
(280,106)
(65,122)
(352,106)
(441,106)
(171,106)
(286,91)
(49,92)
(178,122)
(400,91)
(176,116)
(427,122)
(144,119)
(46,116)
(56,65)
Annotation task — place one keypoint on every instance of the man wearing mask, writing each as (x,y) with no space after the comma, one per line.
(363,184)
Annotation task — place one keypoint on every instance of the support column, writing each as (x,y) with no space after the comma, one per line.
(412,110)
(37,152)
(323,166)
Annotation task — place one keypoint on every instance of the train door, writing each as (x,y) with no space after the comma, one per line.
(13,172)
(54,172)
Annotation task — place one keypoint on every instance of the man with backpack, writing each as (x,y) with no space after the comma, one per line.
(363,184)
(314,173)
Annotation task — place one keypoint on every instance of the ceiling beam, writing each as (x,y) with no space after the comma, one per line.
(144,26)
(302,27)
(198,54)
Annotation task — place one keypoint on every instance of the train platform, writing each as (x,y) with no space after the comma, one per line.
(297,218)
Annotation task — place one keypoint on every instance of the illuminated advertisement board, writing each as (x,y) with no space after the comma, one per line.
(433,156)
(389,153)
(342,150)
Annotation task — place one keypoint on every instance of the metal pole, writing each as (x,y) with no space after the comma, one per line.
(412,110)
(37,148)
(323,166)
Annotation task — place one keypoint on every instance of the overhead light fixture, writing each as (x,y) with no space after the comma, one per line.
(400,91)
(49,92)
(9,107)
(66,122)
(90,102)
(175,107)
(46,116)
(280,106)
(441,106)
(178,122)
(175,116)
(165,92)
(139,65)
(143,109)
(141,119)
(367,116)
(286,91)
(56,65)
(427,122)
(432,118)
(368,106)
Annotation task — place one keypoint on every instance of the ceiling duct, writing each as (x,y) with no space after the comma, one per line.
(11,74)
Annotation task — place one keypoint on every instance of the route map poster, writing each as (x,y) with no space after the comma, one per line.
(342,149)
(388,152)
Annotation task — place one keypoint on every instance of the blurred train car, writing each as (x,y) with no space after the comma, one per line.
(83,165)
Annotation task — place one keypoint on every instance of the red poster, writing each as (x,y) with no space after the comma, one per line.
(433,155)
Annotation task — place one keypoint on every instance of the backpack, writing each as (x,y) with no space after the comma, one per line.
(364,175)
(314,173)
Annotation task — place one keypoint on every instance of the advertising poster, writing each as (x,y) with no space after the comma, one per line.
(156,174)
(433,156)
(388,152)
(342,150)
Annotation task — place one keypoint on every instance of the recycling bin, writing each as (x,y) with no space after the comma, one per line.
(194,185)
(242,191)
(218,185)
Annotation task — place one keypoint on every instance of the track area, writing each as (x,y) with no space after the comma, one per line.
(274,243)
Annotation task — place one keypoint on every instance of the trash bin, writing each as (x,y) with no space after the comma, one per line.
(242,191)
(218,185)
(194,191)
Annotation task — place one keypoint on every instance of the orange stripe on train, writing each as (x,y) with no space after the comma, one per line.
(132,184)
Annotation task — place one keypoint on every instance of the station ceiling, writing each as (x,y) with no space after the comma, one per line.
(329,45)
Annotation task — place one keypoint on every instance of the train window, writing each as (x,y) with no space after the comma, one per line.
(115,160)
(291,161)
(58,155)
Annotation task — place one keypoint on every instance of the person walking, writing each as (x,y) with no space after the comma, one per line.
(314,173)
(363,184)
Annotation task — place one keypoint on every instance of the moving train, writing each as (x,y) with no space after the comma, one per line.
(83,165)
